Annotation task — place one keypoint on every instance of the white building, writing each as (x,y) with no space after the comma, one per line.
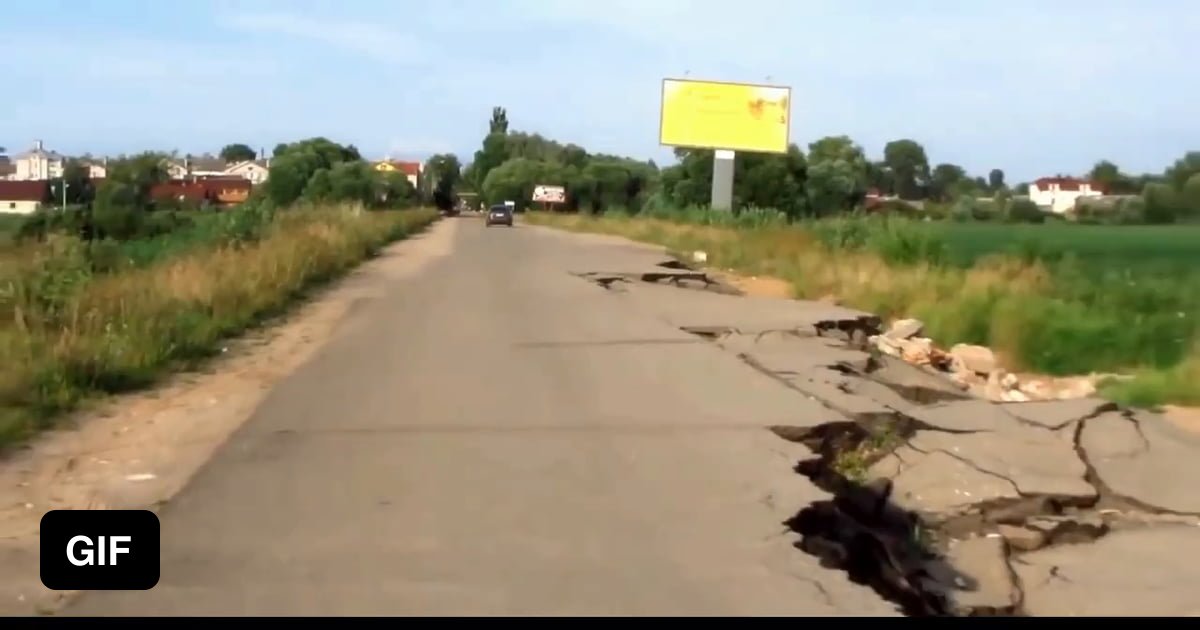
(204,166)
(38,164)
(23,197)
(254,170)
(1059,194)
(97,169)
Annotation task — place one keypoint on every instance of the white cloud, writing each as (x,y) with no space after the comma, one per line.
(364,38)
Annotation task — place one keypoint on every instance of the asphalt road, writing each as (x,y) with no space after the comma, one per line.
(499,437)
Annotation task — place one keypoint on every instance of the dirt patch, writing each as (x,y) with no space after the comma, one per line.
(756,286)
(1186,418)
(136,451)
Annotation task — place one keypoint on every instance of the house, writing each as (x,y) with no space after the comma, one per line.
(7,168)
(220,191)
(412,170)
(203,166)
(23,197)
(254,170)
(38,164)
(96,169)
(1060,194)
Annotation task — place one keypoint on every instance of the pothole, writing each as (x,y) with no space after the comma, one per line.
(677,276)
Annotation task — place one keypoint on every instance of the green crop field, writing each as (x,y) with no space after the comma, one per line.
(1168,246)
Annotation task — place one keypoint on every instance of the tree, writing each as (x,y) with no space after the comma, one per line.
(689,183)
(296,163)
(946,181)
(909,167)
(836,175)
(237,153)
(1179,173)
(996,180)
(1162,203)
(1112,180)
(514,181)
(772,181)
(1190,197)
(78,184)
(879,177)
(499,121)
(493,154)
(445,172)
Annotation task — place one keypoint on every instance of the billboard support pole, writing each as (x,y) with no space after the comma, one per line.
(722,181)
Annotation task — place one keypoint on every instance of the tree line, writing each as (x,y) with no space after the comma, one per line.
(123,206)
(831,175)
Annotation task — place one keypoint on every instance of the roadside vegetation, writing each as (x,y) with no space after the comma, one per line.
(1042,307)
(1113,287)
(106,297)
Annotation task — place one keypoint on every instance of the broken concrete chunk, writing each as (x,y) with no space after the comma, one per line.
(860,408)
(1070,529)
(1022,538)
(917,351)
(1056,414)
(965,415)
(1014,396)
(1099,579)
(984,561)
(797,355)
(978,359)
(937,486)
(1036,462)
(916,384)
(904,329)
(1142,457)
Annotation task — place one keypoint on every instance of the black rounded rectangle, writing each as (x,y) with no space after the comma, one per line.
(87,550)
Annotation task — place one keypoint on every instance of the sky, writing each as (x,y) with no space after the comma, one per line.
(1032,87)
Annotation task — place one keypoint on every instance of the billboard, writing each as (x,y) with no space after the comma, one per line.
(732,116)
(549,194)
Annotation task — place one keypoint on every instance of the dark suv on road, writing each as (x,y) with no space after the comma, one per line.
(499,215)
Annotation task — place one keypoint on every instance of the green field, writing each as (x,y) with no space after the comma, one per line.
(1173,246)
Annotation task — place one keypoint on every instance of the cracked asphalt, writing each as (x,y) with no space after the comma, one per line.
(498,436)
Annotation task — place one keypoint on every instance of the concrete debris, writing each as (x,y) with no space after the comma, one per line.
(902,329)
(977,359)
(990,590)
(976,369)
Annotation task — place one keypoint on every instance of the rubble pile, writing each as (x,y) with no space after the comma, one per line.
(976,369)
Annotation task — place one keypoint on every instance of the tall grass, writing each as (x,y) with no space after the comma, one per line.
(1041,306)
(67,332)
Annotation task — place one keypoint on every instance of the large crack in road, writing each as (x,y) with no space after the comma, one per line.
(942,503)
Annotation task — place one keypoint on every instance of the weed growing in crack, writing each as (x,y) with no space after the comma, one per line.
(854,464)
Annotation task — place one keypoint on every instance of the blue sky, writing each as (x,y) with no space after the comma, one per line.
(1031,87)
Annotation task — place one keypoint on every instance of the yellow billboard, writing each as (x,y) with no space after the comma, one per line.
(732,116)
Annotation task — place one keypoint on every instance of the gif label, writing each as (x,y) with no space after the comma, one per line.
(85,550)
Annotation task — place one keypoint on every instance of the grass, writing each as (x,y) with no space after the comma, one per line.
(68,332)
(9,223)
(1051,302)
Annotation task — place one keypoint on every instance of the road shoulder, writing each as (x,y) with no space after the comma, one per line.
(136,451)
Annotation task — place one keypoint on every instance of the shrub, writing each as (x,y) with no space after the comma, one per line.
(1024,211)
(66,334)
